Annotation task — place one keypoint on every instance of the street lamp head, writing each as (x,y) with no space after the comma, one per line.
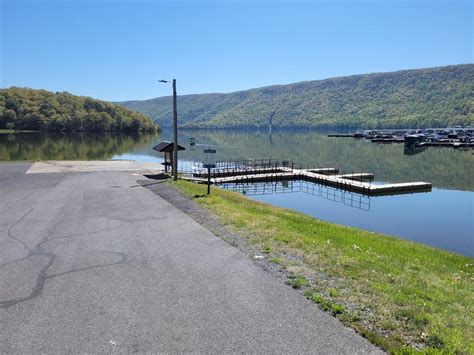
(162,81)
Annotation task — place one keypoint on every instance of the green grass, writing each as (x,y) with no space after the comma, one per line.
(333,292)
(277,260)
(402,296)
(297,281)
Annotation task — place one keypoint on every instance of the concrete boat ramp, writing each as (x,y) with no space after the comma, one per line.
(73,166)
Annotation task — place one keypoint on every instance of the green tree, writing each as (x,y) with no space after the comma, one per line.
(44,110)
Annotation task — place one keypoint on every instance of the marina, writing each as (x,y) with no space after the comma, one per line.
(450,137)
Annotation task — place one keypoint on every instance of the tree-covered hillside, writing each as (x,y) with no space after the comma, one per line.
(409,98)
(22,108)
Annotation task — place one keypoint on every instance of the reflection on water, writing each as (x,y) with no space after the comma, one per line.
(71,146)
(441,218)
(347,198)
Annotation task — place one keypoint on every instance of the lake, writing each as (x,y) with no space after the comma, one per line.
(442,218)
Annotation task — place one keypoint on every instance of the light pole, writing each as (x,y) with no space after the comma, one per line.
(175,130)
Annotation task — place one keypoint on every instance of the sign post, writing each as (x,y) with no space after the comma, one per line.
(208,180)
(209,163)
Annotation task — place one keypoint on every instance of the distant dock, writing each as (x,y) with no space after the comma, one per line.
(342,135)
(450,137)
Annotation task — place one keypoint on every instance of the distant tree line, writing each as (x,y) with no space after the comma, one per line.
(409,98)
(28,109)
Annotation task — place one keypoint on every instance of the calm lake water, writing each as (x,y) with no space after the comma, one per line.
(442,218)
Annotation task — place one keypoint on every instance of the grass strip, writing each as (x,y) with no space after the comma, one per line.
(403,296)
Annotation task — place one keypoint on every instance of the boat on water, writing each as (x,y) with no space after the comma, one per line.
(413,139)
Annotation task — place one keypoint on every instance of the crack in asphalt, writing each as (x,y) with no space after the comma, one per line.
(33,252)
(39,250)
(123,259)
(135,220)
(43,276)
(9,231)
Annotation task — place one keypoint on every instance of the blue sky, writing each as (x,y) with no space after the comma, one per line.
(116,50)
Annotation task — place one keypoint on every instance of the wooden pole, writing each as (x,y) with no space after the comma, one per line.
(175,133)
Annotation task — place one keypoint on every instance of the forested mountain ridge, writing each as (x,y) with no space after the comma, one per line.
(410,98)
(29,109)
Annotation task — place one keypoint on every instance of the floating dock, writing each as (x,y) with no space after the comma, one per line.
(355,182)
(445,144)
(325,171)
(341,135)
(388,140)
(356,176)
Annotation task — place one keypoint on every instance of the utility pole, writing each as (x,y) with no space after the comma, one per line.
(175,130)
(175,133)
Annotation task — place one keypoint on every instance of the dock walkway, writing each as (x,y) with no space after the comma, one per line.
(355,182)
